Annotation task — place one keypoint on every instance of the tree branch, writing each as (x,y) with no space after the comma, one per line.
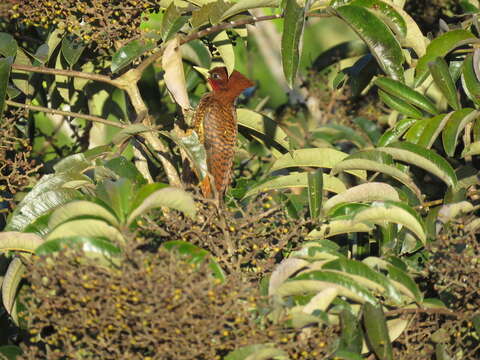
(66,113)
(66,72)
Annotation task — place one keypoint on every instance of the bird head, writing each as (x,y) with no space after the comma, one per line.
(231,86)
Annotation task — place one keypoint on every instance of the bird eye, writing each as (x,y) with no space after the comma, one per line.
(216,76)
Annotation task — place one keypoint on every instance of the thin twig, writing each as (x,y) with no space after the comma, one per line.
(65,72)
(66,113)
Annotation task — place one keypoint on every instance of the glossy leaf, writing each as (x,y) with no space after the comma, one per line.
(10,284)
(399,105)
(5,66)
(471,85)
(454,127)
(296,180)
(375,325)
(387,13)
(318,280)
(405,93)
(245,5)
(364,192)
(314,157)
(224,46)
(394,134)
(130,52)
(443,80)
(294,20)
(431,130)
(440,46)
(8,45)
(90,245)
(72,49)
(269,130)
(283,271)
(91,228)
(337,227)
(172,22)
(81,209)
(423,158)
(395,212)
(315,192)
(18,241)
(352,334)
(169,197)
(377,36)
(405,283)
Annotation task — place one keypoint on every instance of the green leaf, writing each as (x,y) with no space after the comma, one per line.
(257,352)
(431,129)
(21,79)
(169,197)
(424,158)
(10,352)
(476,323)
(443,80)
(88,244)
(315,192)
(471,149)
(8,45)
(172,22)
(10,284)
(377,36)
(294,20)
(224,46)
(72,49)
(296,180)
(314,157)
(91,228)
(268,129)
(129,132)
(394,134)
(81,209)
(405,93)
(5,66)
(118,195)
(336,132)
(454,127)
(315,281)
(246,5)
(416,130)
(44,197)
(399,105)
(129,52)
(372,160)
(366,276)
(394,212)
(375,325)
(125,169)
(440,46)
(196,256)
(18,241)
(405,283)
(352,334)
(470,83)
(364,192)
(387,14)
(337,227)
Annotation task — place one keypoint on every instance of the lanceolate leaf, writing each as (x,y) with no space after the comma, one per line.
(364,192)
(315,157)
(432,129)
(394,134)
(129,52)
(443,80)
(92,246)
(296,180)
(440,46)
(377,331)
(174,75)
(423,158)
(12,279)
(224,46)
(315,192)
(398,104)
(405,93)
(270,131)
(387,13)
(88,228)
(294,20)
(257,352)
(18,241)
(5,65)
(395,212)
(244,5)
(172,22)
(169,197)
(81,208)
(72,49)
(455,125)
(471,85)
(377,36)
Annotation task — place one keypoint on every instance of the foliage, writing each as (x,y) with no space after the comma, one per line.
(351,227)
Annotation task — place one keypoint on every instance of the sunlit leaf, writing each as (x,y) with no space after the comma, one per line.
(454,127)
(377,331)
(257,352)
(8,45)
(129,52)
(81,209)
(91,228)
(18,241)
(11,281)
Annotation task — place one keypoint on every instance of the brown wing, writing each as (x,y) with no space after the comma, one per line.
(219,135)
